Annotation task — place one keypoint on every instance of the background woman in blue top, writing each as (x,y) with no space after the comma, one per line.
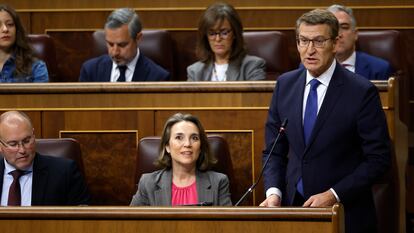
(17,62)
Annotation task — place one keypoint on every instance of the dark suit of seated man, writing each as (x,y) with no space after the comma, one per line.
(368,66)
(124,62)
(30,179)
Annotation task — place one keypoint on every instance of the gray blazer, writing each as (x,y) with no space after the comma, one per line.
(154,189)
(252,68)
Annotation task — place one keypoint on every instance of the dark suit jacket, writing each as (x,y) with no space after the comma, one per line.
(99,70)
(154,189)
(372,68)
(56,181)
(349,147)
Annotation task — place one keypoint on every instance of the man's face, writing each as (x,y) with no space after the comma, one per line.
(319,53)
(17,143)
(347,36)
(121,47)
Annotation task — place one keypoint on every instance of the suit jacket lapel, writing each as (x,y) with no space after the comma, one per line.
(162,194)
(295,126)
(333,92)
(204,191)
(233,72)
(207,72)
(140,72)
(40,179)
(1,174)
(361,66)
(105,72)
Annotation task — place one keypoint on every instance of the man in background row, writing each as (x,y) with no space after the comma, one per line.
(31,179)
(124,62)
(370,67)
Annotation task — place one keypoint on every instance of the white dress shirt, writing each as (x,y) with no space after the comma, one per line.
(129,72)
(349,63)
(25,181)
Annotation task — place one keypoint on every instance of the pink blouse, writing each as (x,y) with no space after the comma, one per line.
(184,195)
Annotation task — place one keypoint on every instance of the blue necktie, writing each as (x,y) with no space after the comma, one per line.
(311,111)
(122,70)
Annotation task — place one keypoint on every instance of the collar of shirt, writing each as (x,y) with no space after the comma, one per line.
(129,73)
(350,62)
(325,79)
(9,168)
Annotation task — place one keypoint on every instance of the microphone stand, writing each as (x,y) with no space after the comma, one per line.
(250,190)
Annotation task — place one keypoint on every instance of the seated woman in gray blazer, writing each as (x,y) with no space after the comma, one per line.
(184,178)
(221,50)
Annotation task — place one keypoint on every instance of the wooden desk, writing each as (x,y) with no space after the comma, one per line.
(178,219)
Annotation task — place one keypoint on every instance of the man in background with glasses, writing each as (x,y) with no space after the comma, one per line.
(370,67)
(28,178)
(336,143)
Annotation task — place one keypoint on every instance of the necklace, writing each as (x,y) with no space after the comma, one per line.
(221,75)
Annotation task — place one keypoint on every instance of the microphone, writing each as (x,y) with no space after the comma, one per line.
(281,131)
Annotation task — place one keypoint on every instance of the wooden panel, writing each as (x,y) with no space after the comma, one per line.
(108,141)
(109,169)
(252,18)
(184,219)
(79,4)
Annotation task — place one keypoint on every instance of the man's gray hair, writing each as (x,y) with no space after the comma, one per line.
(347,10)
(124,16)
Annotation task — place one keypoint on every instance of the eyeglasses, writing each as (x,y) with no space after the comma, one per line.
(15,145)
(318,42)
(223,34)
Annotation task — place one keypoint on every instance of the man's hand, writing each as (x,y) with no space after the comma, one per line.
(271,201)
(324,199)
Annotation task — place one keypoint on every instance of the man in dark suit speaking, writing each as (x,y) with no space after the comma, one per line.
(30,179)
(336,143)
(124,61)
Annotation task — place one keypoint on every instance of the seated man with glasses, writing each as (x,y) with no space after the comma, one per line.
(336,143)
(28,178)
(220,49)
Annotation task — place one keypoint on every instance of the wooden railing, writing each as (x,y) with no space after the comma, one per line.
(170,219)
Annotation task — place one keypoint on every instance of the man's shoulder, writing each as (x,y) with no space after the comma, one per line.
(154,68)
(52,160)
(361,56)
(291,75)
(97,61)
